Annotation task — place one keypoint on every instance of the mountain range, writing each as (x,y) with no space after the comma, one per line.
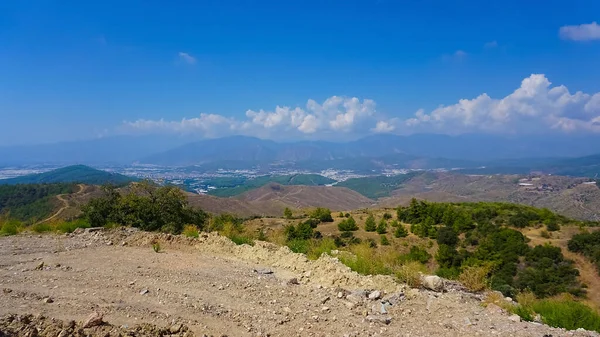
(414,151)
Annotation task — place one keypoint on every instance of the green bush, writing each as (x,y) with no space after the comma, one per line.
(10,227)
(416,254)
(298,245)
(348,225)
(382,227)
(323,214)
(71,226)
(370,225)
(240,239)
(41,228)
(384,240)
(561,313)
(400,231)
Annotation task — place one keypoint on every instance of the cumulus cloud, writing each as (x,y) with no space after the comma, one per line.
(335,114)
(187,58)
(583,32)
(535,106)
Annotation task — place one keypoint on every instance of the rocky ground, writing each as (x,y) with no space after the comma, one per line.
(96,283)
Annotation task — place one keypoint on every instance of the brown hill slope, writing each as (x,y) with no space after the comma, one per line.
(335,198)
(569,196)
(242,208)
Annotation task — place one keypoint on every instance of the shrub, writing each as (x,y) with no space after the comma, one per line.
(191,231)
(410,273)
(370,225)
(447,236)
(387,216)
(298,246)
(368,261)
(348,225)
(475,278)
(552,226)
(567,314)
(347,215)
(400,231)
(382,227)
(416,254)
(384,240)
(323,214)
(10,227)
(287,213)
(318,247)
(71,226)
(448,273)
(41,228)
(240,239)
(156,247)
(545,234)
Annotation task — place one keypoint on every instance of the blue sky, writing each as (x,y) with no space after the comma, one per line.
(82,69)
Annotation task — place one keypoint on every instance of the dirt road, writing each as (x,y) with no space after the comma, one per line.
(217,289)
(65,202)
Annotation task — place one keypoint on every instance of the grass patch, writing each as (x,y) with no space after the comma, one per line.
(10,227)
(558,312)
(298,246)
(410,273)
(368,261)
(240,239)
(475,278)
(71,226)
(42,228)
(191,231)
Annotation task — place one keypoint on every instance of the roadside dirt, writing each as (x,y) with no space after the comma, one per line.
(213,287)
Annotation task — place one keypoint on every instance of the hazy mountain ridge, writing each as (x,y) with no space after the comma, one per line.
(71,174)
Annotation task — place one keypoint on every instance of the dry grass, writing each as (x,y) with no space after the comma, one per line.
(475,278)
(496,297)
(410,273)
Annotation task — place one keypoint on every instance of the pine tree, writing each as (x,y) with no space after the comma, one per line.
(382,227)
(370,224)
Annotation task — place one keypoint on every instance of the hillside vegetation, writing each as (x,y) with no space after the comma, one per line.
(378,186)
(30,202)
(71,174)
(228,187)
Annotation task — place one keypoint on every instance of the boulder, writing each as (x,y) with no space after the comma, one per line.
(94,319)
(433,282)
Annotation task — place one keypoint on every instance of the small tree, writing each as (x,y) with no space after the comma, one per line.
(370,225)
(382,227)
(348,225)
(323,214)
(384,240)
(400,232)
(287,213)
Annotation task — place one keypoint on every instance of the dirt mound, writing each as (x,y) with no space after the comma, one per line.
(30,325)
(335,198)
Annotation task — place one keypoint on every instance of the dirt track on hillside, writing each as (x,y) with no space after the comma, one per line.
(216,288)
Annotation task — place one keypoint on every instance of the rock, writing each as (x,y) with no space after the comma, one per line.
(340,294)
(383,310)
(394,298)
(144,292)
(493,308)
(263,271)
(94,319)
(292,281)
(537,318)
(375,295)
(433,282)
(325,299)
(40,266)
(379,319)
(48,300)
(515,318)
(175,328)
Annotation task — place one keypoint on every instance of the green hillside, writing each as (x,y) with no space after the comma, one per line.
(71,174)
(378,186)
(228,187)
(31,202)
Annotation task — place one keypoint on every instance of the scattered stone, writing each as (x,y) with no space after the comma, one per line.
(94,319)
(493,308)
(48,300)
(293,281)
(263,271)
(379,319)
(144,292)
(375,295)
(325,299)
(340,294)
(515,318)
(433,282)
(40,266)
(175,328)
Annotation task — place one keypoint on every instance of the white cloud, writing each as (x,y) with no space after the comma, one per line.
(535,106)
(583,32)
(383,127)
(456,56)
(187,58)
(339,114)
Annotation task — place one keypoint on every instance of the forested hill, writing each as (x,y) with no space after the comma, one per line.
(71,174)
